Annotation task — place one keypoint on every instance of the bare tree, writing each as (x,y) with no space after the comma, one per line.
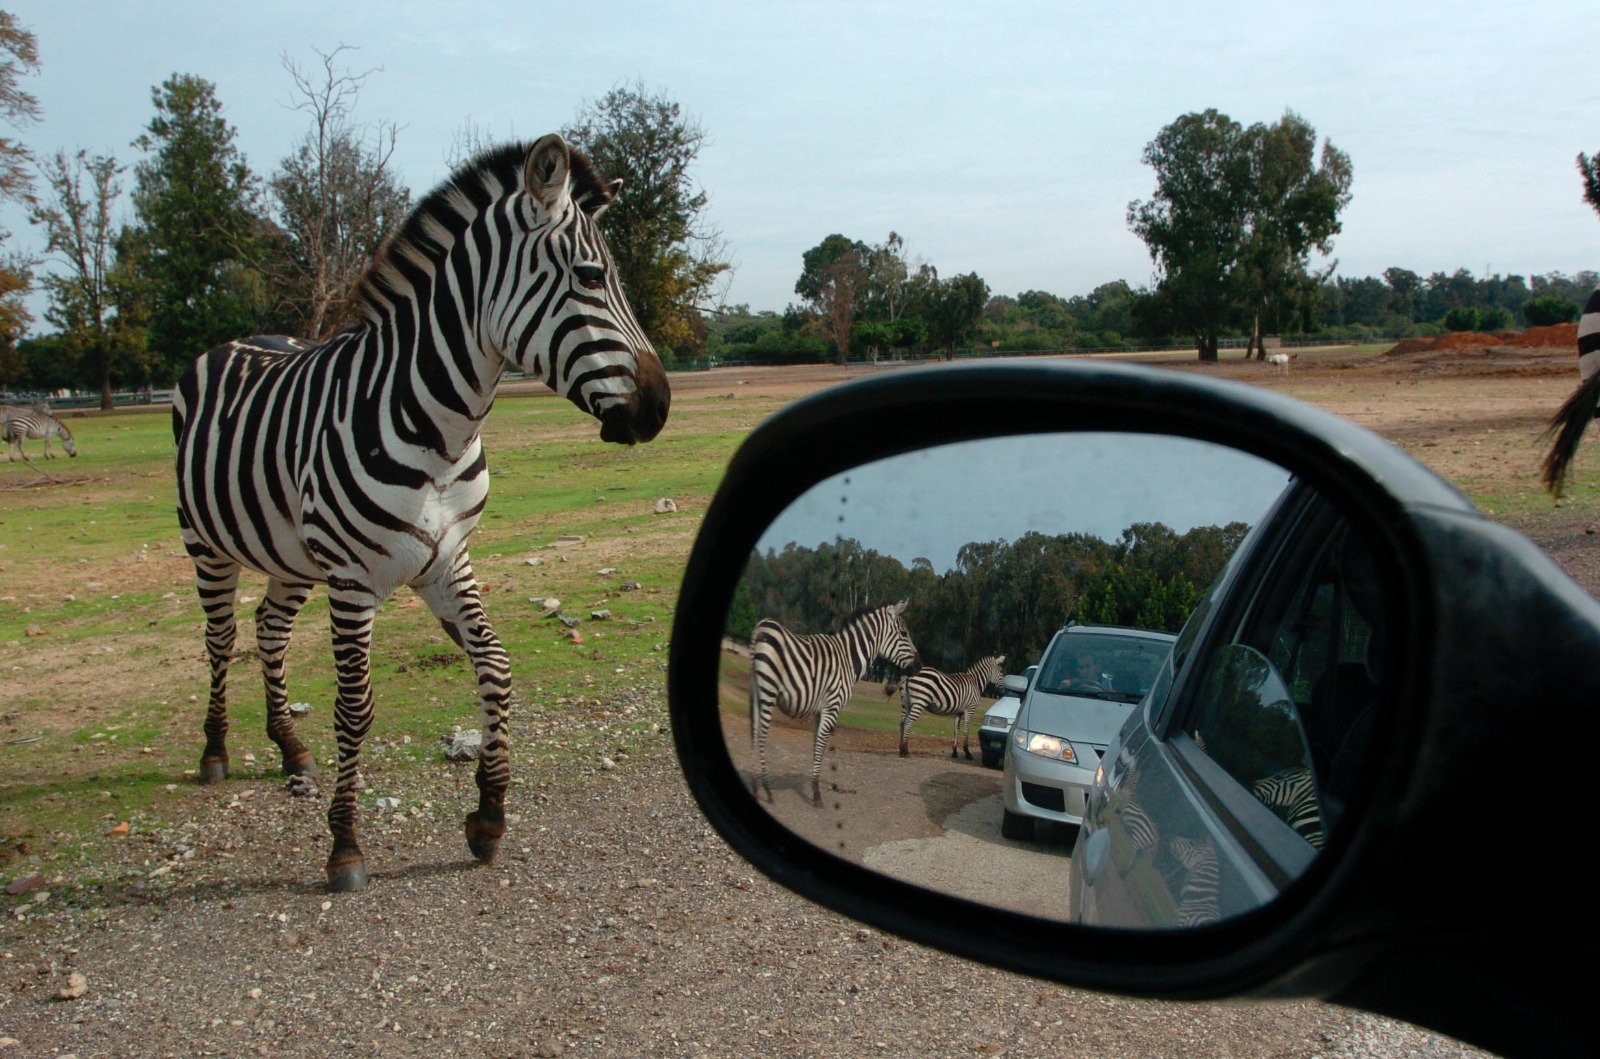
(81,239)
(337,196)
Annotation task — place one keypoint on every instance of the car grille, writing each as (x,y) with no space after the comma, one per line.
(1051,798)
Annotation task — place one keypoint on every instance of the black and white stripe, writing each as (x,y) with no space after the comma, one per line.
(1292,795)
(812,676)
(948,695)
(356,462)
(1199,901)
(1574,415)
(15,428)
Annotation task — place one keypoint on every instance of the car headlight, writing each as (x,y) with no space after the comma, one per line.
(1043,745)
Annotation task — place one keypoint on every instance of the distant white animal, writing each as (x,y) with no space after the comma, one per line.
(1280,361)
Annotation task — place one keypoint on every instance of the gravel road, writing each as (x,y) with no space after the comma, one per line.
(614,924)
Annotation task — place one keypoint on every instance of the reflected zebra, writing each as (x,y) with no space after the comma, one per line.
(17,427)
(948,695)
(357,463)
(812,676)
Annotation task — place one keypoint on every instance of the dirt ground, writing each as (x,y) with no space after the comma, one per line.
(615,923)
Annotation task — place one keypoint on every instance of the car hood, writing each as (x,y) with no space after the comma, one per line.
(1075,717)
(1004,709)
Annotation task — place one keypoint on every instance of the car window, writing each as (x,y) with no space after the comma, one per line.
(1103,665)
(1287,707)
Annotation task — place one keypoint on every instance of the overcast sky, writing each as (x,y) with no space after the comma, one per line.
(930,503)
(1003,138)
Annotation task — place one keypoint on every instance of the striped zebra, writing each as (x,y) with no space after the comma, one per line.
(356,462)
(1199,903)
(16,428)
(812,676)
(1573,418)
(1292,795)
(948,695)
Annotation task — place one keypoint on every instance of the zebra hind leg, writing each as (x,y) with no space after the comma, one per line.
(217,580)
(455,601)
(274,625)
(351,607)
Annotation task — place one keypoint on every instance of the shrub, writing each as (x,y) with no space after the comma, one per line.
(1542,312)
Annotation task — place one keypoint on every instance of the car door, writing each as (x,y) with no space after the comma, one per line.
(1224,785)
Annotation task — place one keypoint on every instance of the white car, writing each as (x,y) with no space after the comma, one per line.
(997,720)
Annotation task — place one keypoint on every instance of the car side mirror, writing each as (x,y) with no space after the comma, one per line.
(1014,683)
(850,515)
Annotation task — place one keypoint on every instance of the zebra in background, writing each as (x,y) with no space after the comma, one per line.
(948,695)
(812,676)
(33,425)
(1573,418)
(356,462)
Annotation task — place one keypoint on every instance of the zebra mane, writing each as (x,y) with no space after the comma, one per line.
(440,218)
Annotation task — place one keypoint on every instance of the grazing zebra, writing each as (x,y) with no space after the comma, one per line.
(948,695)
(14,428)
(1573,418)
(811,676)
(356,462)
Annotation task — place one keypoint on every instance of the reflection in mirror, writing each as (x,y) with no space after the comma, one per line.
(881,611)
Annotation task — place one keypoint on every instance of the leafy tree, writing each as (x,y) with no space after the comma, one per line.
(1234,216)
(887,274)
(337,200)
(1589,171)
(81,237)
(1541,312)
(1293,206)
(955,310)
(19,57)
(198,229)
(833,280)
(667,254)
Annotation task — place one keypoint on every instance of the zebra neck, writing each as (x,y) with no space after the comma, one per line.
(861,649)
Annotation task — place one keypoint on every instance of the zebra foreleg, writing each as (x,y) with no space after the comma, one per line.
(351,607)
(274,625)
(216,581)
(963,733)
(908,717)
(826,719)
(456,603)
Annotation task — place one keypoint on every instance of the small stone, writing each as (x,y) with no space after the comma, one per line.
(606,571)
(25,883)
(119,830)
(664,505)
(76,986)
(299,709)
(629,586)
(567,540)
(388,803)
(574,635)
(302,786)
(599,615)
(535,561)
(463,746)
(607,764)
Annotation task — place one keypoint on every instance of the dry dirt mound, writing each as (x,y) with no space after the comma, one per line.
(1555,336)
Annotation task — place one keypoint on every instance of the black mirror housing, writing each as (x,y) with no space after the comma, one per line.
(1495,665)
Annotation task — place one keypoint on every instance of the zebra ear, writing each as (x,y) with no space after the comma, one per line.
(546,171)
(900,607)
(594,203)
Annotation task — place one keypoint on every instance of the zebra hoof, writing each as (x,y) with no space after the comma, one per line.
(347,878)
(301,765)
(213,771)
(483,838)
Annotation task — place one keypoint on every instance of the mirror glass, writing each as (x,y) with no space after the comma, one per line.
(864,650)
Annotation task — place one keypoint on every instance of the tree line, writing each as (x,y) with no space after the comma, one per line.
(214,250)
(1000,597)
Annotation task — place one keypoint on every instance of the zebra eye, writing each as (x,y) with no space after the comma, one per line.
(591,276)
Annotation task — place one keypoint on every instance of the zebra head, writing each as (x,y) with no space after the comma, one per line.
(567,319)
(888,638)
(66,440)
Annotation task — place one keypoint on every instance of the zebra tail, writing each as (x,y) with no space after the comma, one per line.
(1568,426)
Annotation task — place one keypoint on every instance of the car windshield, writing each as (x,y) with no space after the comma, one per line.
(1103,666)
